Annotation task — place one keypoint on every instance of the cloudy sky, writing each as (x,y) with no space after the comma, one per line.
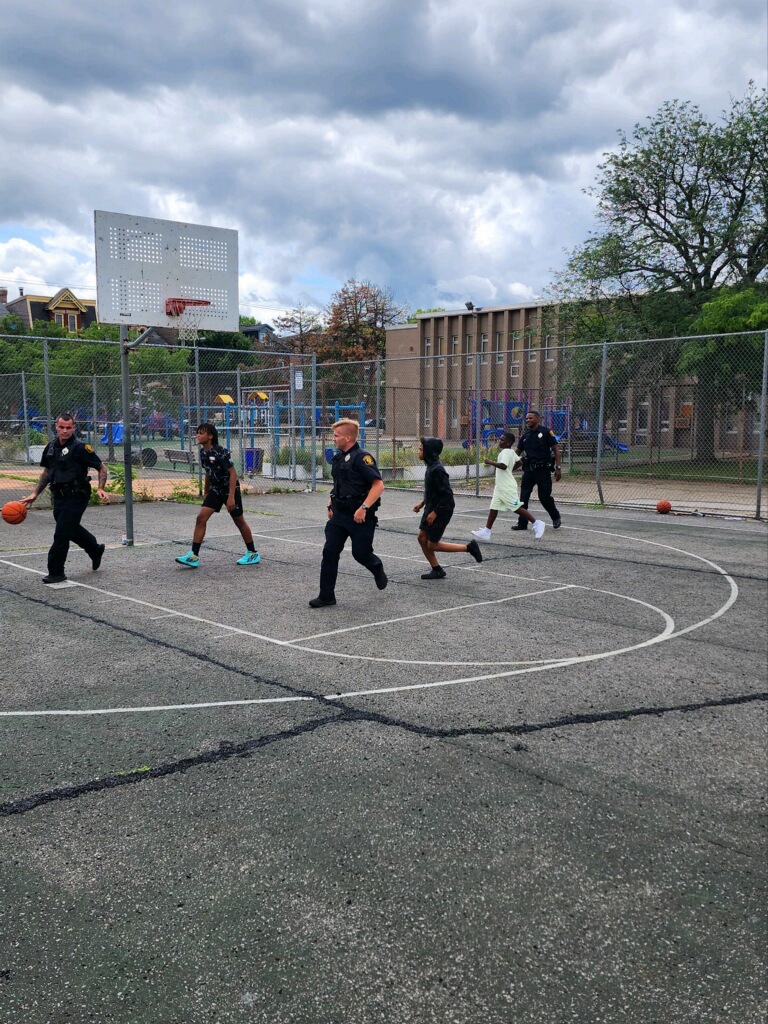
(436,147)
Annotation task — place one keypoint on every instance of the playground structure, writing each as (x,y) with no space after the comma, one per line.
(571,429)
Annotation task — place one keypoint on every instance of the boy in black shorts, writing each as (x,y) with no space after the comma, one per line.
(221,488)
(438,505)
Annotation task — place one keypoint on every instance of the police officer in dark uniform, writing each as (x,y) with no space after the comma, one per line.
(357,488)
(541,455)
(65,464)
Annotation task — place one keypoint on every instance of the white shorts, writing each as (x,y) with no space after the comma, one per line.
(499,505)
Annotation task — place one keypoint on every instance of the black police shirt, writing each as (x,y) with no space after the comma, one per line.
(537,443)
(69,463)
(354,471)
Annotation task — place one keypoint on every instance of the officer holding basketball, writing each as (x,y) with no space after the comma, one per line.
(541,454)
(357,488)
(65,464)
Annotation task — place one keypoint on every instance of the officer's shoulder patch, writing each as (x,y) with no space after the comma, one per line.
(89,447)
(369,460)
(552,433)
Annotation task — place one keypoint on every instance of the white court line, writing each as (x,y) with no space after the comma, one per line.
(424,615)
(668,634)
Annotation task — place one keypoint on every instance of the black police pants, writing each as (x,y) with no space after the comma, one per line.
(340,526)
(68,512)
(541,479)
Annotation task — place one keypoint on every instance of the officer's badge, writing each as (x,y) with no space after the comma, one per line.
(65,451)
(369,460)
(540,434)
(346,458)
(89,447)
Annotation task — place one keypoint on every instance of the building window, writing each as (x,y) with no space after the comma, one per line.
(498,347)
(483,348)
(455,350)
(440,351)
(530,351)
(664,414)
(72,322)
(641,418)
(427,348)
(468,350)
(621,412)
(515,339)
(454,412)
(59,319)
(514,369)
(426,412)
(549,356)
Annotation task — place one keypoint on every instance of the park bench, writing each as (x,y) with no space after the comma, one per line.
(188,457)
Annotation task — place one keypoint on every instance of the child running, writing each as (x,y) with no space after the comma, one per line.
(505,494)
(221,488)
(438,505)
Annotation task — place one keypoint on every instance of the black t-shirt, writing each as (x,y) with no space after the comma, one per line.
(216,461)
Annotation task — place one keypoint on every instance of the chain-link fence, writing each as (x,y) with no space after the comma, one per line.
(682,419)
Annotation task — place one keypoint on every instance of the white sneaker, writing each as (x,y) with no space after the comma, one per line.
(484,534)
(538,529)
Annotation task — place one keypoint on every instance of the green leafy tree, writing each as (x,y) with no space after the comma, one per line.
(682,208)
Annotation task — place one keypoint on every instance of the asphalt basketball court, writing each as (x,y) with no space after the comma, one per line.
(530,792)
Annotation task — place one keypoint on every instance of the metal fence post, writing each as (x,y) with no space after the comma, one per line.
(26,413)
(47,381)
(314,422)
(478,415)
(199,418)
(378,406)
(763,428)
(127,463)
(601,423)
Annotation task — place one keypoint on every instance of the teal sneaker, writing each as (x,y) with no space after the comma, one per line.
(190,560)
(250,558)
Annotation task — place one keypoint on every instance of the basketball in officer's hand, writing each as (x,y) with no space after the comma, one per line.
(14,512)
(664,506)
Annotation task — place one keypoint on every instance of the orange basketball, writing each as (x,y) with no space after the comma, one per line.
(664,506)
(14,512)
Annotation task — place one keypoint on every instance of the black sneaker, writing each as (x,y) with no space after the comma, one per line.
(96,559)
(473,548)
(438,573)
(520,526)
(55,578)
(322,602)
(381,578)
(556,524)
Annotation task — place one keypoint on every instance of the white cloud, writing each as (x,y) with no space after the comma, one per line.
(435,147)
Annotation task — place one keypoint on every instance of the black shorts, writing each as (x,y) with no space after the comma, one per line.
(438,527)
(216,501)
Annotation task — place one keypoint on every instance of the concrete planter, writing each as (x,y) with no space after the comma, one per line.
(269,469)
(36,453)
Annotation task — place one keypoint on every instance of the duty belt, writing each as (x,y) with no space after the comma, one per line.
(538,465)
(348,499)
(70,490)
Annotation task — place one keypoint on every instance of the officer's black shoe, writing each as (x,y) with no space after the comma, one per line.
(556,524)
(96,559)
(438,573)
(53,577)
(322,602)
(520,526)
(381,578)
(473,548)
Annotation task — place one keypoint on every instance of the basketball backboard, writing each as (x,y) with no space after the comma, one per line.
(142,262)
